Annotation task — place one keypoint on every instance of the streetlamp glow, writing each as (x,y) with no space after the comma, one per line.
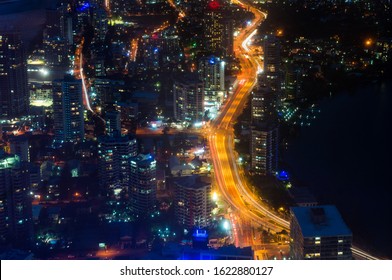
(226,225)
(369,42)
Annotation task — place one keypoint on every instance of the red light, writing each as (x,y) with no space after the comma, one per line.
(214,5)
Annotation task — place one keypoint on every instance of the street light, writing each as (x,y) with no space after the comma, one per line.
(369,42)
(226,225)
(214,196)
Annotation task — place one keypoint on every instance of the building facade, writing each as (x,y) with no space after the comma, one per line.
(188,99)
(264,130)
(114,170)
(15,204)
(212,74)
(142,184)
(193,203)
(20,146)
(213,28)
(68,110)
(319,233)
(264,149)
(272,61)
(14,94)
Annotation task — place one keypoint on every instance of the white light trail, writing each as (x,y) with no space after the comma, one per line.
(87,101)
(247,40)
(362,254)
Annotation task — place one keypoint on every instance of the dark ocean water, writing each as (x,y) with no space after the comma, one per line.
(345,158)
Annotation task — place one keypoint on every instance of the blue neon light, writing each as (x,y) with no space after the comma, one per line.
(283,175)
(84,7)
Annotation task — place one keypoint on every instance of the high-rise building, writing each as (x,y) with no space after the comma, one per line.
(15,204)
(192,198)
(100,23)
(264,149)
(113,122)
(265,130)
(14,94)
(68,110)
(108,91)
(119,7)
(228,37)
(54,25)
(56,37)
(19,146)
(218,29)
(272,60)
(263,103)
(213,28)
(114,152)
(320,233)
(83,15)
(212,74)
(188,98)
(292,81)
(142,184)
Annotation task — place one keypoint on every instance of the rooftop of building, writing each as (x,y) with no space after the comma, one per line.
(8,160)
(143,159)
(193,181)
(115,138)
(320,221)
(187,77)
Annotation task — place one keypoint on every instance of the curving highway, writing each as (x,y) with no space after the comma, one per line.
(246,210)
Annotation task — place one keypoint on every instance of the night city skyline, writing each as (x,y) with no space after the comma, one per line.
(195,129)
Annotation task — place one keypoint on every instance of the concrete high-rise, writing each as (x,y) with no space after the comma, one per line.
(228,37)
(14,94)
(218,30)
(213,28)
(100,23)
(319,233)
(212,74)
(264,149)
(188,98)
(142,184)
(114,170)
(113,122)
(68,110)
(265,130)
(15,204)
(19,146)
(272,61)
(192,198)
(263,103)
(55,37)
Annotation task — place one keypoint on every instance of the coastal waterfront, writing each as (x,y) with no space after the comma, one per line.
(343,159)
